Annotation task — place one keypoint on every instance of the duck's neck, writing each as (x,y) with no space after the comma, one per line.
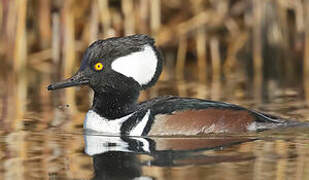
(115,104)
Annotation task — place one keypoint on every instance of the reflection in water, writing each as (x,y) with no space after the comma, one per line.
(116,157)
(116,165)
(54,154)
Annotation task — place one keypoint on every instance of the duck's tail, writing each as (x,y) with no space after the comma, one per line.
(267,121)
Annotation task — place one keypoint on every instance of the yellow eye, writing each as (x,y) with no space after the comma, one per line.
(98,66)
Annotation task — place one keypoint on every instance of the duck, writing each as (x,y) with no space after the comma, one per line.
(119,68)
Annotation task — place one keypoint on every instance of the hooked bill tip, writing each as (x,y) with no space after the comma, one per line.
(50,87)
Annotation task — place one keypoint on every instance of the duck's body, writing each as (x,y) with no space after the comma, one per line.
(117,69)
(172,115)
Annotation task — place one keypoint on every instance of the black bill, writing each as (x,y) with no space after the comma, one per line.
(76,80)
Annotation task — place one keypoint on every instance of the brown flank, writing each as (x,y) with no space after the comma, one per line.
(206,121)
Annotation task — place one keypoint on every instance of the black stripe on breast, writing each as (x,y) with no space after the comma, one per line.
(129,124)
(148,125)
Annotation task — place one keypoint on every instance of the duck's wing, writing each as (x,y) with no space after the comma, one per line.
(172,115)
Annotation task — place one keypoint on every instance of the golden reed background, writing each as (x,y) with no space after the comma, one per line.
(213,32)
(242,42)
(223,41)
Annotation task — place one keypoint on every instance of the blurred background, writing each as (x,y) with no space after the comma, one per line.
(249,52)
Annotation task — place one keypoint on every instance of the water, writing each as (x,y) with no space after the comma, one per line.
(41,136)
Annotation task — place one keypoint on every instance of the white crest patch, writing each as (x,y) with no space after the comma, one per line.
(141,65)
(95,122)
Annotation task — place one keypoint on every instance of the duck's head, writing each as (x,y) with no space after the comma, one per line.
(117,63)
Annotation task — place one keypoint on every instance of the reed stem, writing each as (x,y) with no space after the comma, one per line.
(181,57)
(129,22)
(105,16)
(45,23)
(155,21)
(20,49)
(201,41)
(257,48)
(215,58)
(306,55)
(94,22)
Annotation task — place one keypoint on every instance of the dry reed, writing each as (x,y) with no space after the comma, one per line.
(205,19)
(306,49)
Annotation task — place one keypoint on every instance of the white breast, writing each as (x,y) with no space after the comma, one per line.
(95,122)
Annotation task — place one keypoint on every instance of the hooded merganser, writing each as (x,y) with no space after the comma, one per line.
(118,68)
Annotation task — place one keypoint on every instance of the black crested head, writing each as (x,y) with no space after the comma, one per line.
(134,57)
(117,69)
(115,47)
